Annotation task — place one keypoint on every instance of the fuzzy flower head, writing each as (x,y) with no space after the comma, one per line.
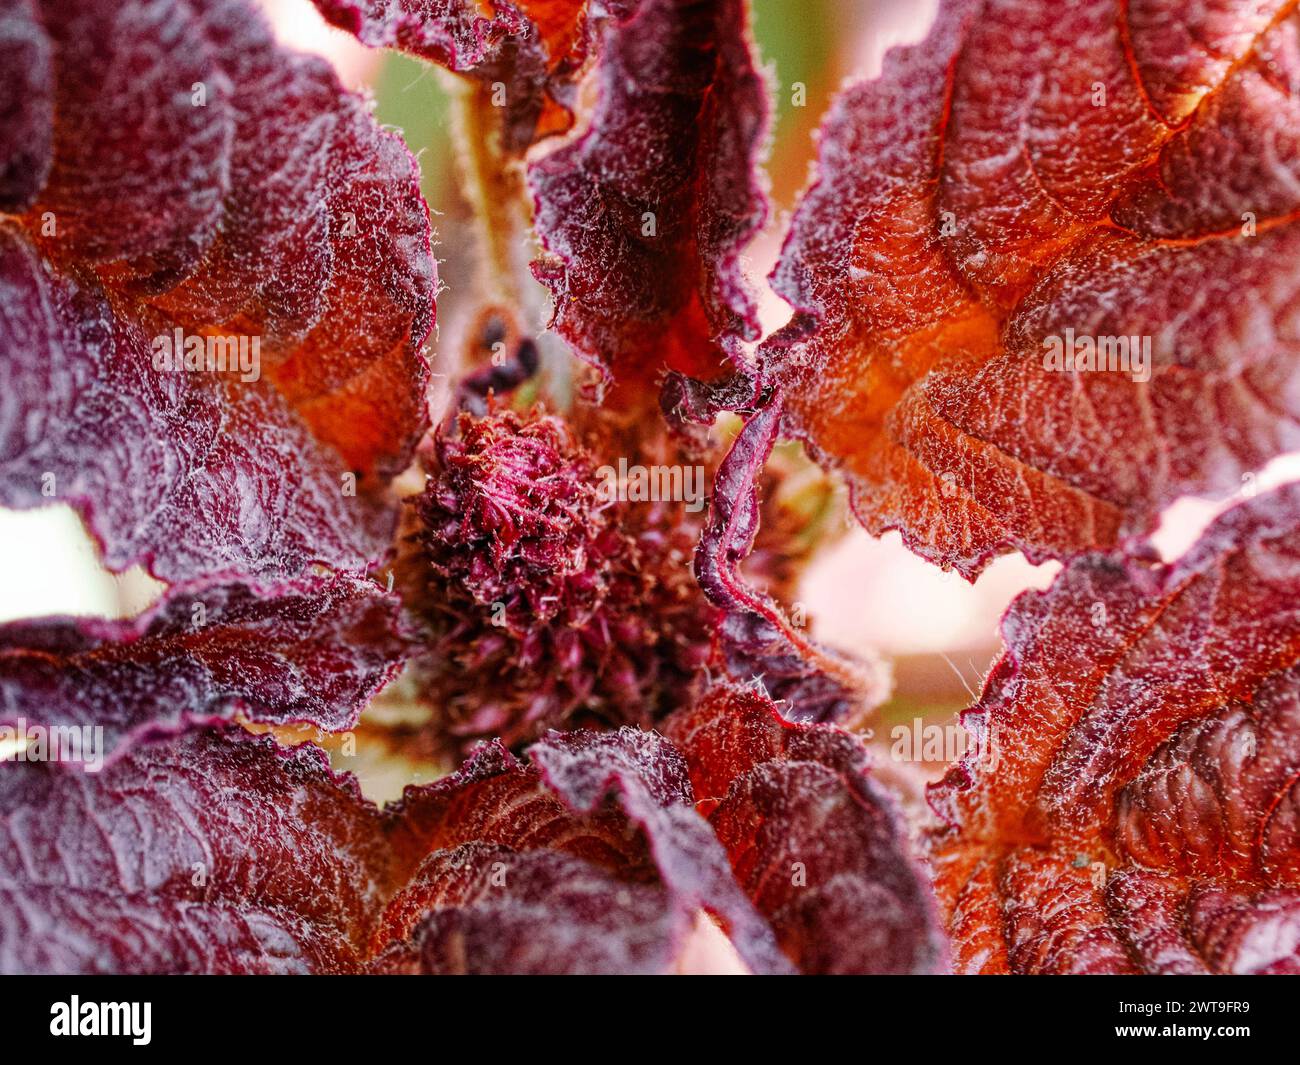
(547,601)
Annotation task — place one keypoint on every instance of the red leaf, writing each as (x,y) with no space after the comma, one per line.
(533,50)
(812,841)
(454,33)
(1132,802)
(220,852)
(651,783)
(645,214)
(311,650)
(1139,190)
(123,78)
(27,124)
(197,475)
(756,639)
(618,807)
(558,915)
(258,200)
(205,854)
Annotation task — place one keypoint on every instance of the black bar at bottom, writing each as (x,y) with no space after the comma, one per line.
(613,1016)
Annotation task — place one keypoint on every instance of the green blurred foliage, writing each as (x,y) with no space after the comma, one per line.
(798,37)
(410,95)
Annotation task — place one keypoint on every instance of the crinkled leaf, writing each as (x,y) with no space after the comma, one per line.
(310,650)
(811,839)
(219,851)
(532,49)
(983,196)
(756,639)
(455,33)
(651,782)
(139,173)
(203,854)
(618,807)
(644,215)
(1131,803)
(189,472)
(497,911)
(259,200)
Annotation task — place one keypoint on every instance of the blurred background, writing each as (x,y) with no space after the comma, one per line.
(939,633)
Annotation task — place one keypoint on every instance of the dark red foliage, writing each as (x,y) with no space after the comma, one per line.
(651,782)
(201,854)
(310,650)
(221,852)
(1133,803)
(533,50)
(644,216)
(983,196)
(757,641)
(812,841)
(197,475)
(26,125)
(258,200)
(596,819)
(537,913)
(627,805)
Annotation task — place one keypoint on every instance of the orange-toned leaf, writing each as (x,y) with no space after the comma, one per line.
(1031,177)
(214,305)
(1132,803)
